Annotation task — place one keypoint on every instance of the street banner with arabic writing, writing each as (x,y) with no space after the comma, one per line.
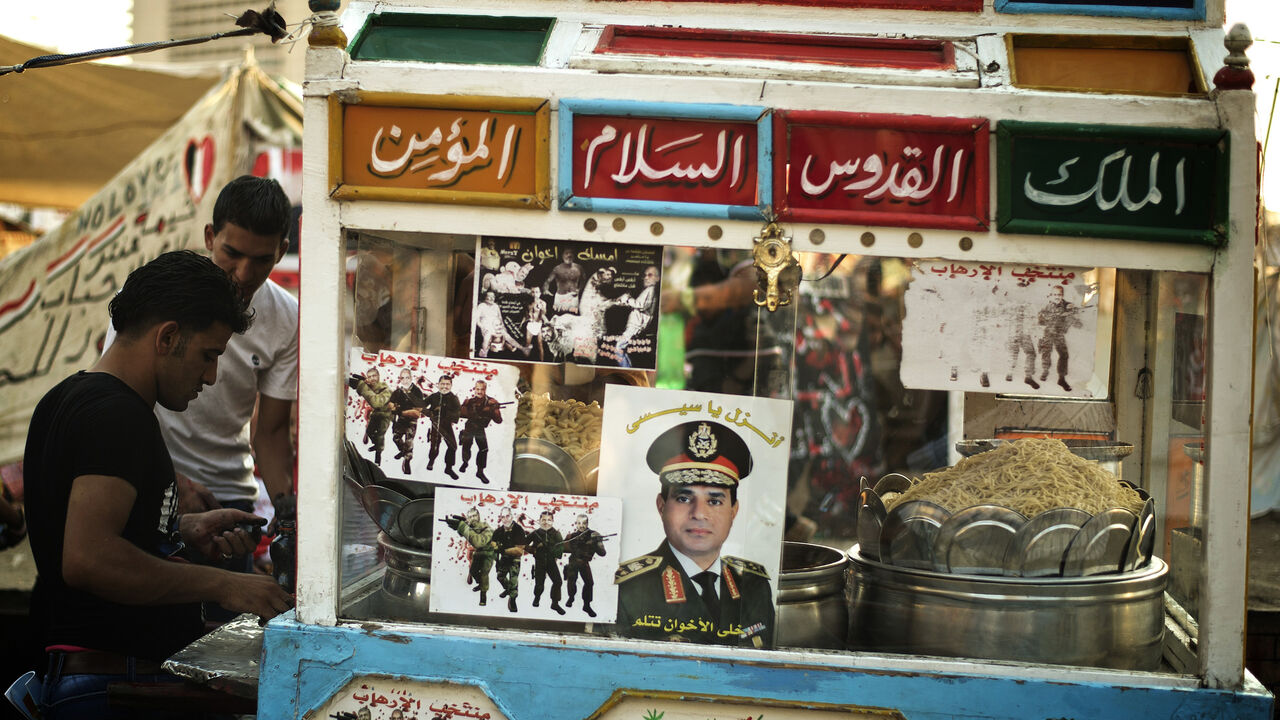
(54,293)
(1164,184)
(995,328)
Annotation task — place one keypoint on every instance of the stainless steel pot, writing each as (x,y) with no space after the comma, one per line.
(408,574)
(813,610)
(1112,621)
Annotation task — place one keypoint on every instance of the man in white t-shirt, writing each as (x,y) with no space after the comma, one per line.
(211,442)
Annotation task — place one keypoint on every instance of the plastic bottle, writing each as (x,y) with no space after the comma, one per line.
(284,555)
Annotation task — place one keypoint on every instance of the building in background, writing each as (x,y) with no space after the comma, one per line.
(155,20)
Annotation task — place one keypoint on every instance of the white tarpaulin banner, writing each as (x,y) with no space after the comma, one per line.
(54,293)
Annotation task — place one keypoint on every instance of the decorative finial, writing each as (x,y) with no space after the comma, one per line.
(777,270)
(1235,73)
(325,31)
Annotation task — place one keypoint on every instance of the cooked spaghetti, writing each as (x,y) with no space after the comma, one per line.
(1030,476)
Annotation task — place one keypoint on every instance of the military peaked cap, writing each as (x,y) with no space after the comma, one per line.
(700,452)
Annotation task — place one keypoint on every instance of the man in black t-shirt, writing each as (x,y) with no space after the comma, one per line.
(111,602)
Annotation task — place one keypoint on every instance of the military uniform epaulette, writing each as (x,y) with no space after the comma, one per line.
(636,567)
(742,566)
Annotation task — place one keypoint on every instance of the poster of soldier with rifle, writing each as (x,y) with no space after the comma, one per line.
(528,555)
(433,419)
(1005,328)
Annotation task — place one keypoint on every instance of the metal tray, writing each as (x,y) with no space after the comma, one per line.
(1101,545)
(1100,450)
(415,521)
(383,505)
(909,532)
(1039,546)
(974,540)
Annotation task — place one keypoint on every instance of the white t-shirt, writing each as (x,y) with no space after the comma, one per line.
(209,441)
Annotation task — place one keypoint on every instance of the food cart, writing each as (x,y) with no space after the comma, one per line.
(924,177)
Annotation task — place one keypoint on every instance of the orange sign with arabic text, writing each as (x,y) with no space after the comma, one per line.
(470,150)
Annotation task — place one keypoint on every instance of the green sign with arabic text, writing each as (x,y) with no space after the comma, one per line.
(1166,184)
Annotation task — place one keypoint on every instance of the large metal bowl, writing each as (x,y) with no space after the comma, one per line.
(812,608)
(542,466)
(1110,621)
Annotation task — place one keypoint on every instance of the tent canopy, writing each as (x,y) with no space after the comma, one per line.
(66,131)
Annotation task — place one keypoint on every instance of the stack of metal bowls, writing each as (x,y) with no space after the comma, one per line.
(1064,586)
(408,574)
(404,512)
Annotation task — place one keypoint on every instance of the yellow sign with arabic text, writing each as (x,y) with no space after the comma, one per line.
(453,150)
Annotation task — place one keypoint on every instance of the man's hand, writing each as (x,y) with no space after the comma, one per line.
(254,593)
(217,534)
(411,414)
(353,381)
(194,497)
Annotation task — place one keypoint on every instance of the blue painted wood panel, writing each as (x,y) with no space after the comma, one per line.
(536,677)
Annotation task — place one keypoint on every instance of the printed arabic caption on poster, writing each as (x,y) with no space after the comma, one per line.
(375,697)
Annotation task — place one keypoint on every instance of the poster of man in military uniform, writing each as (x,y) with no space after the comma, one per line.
(491,545)
(714,468)
(418,401)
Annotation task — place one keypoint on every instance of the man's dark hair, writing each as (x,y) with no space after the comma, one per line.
(181,286)
(256,204)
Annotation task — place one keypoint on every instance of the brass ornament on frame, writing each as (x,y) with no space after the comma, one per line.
(777,269)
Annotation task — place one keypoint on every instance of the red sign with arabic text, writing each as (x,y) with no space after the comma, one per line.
(664,159)
(910,171)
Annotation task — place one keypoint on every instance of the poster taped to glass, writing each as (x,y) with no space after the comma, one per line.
(539,556)
(702,477)
(553,301)
(433,419)
(1027,329)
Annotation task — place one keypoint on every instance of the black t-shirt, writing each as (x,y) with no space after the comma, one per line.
(95,424)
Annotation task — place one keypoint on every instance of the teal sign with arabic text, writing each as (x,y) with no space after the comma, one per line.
(1165,184)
